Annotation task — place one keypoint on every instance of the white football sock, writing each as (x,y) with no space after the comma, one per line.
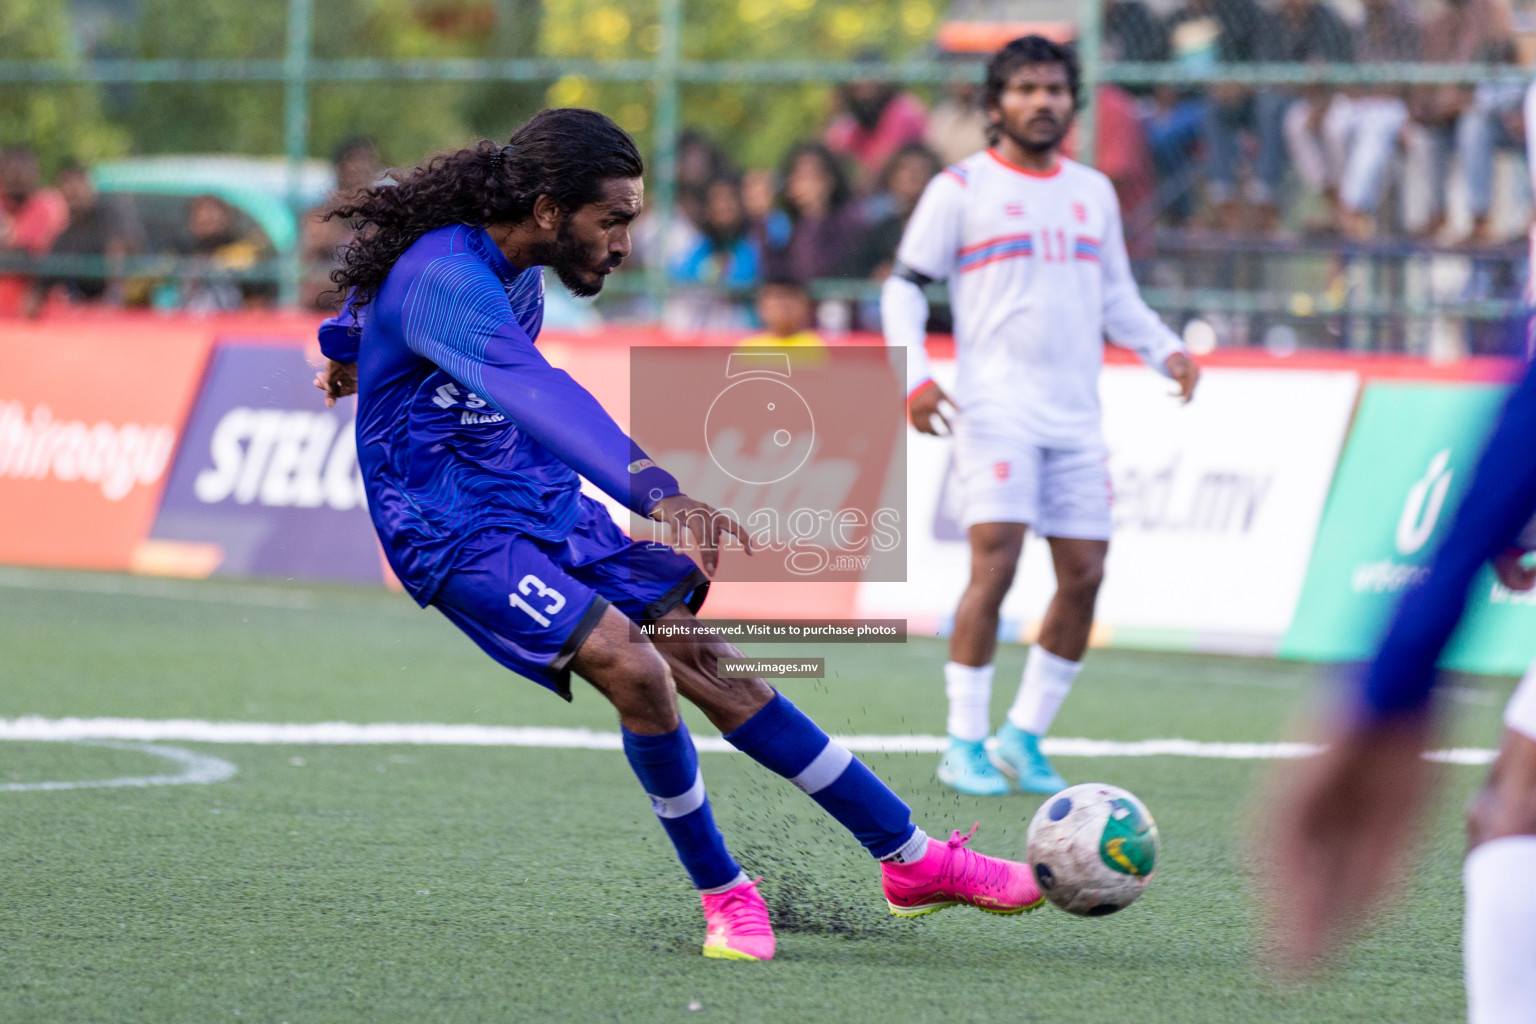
(741,877)
(970,700)
(1047,681)
(913,849)
(1499,943)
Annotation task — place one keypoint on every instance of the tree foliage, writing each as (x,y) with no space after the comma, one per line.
(408,119)
(755,123)
(59,121)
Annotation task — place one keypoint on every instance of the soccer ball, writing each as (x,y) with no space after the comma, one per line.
(1093,848)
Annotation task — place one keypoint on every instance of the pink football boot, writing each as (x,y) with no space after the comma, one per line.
(738,927)
(950,875)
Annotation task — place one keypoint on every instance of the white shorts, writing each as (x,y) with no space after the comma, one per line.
(1520,712)
(1057,492)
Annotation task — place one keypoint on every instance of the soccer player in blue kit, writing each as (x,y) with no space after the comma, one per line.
(1348,817)
(471,444)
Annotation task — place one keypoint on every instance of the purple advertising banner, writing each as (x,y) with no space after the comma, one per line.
(266,481)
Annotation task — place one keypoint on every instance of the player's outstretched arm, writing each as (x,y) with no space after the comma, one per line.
(560,414)
(708,525)
(457,316)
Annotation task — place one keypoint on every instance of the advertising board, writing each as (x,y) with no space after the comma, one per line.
(1216,505)
(267,482)
(90,416)
(1409,461)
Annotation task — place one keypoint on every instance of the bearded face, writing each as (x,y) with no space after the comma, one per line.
(592,241)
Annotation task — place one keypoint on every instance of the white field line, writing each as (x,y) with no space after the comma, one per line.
(190,730)
(196,769)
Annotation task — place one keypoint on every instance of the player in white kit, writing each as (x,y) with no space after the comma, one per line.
(1031,246)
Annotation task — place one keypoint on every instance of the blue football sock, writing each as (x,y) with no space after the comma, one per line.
(668,768)
(781,738)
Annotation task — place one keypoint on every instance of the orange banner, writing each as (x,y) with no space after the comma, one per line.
(90,414)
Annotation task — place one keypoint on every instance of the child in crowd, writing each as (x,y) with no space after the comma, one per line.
(785,308)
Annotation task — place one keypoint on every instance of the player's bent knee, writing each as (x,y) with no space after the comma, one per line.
(629,671)
(752,694)
(708,653)
(726,700)
(645,678)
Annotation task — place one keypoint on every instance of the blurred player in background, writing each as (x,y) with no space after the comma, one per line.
(470,445)
(1351,812)
(1349,815)
(1529,116)
(1032,247)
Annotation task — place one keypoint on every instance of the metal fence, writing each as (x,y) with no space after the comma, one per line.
(299,71)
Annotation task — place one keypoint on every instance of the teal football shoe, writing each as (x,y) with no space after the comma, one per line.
(965,767)
(1017,755)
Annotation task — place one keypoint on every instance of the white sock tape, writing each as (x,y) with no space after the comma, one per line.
(825,768)
(685,803)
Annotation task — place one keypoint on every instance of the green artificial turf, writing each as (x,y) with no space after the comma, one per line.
(456,884)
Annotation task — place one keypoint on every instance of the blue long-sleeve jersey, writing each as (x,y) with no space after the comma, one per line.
(1500,500)
(462,425)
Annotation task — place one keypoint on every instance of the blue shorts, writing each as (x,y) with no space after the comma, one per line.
(531,603)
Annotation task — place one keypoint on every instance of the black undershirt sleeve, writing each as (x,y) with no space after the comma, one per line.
(906,273)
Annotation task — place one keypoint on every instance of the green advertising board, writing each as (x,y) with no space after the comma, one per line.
(1408,462)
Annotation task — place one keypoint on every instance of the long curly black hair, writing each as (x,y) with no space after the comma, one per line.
(567,154)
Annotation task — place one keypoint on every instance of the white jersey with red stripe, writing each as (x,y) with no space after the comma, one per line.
(1038,275)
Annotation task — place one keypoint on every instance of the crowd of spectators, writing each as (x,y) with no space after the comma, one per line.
(199,252)
(1308,160)
(1225,152)
(357,167)
(31,218)
(835,207)
(96,227)
(1302,159)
